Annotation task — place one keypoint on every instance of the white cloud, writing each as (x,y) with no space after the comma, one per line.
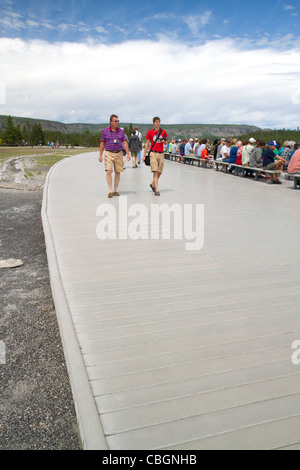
(32,23)
(12,20)
(292,9)
(197,22)
(63,27)
(217,82)
(101,29)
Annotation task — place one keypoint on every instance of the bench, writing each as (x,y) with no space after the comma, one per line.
(296,178)
(255,171)
(177,157)
(190,159)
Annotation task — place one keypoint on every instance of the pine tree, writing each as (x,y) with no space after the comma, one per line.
(37,134)
(18,135)
(26,132)
(9,135)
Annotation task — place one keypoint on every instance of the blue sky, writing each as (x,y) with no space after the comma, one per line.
(197,61)
(113,22)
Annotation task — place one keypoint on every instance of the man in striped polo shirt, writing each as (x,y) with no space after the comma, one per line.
(112,141)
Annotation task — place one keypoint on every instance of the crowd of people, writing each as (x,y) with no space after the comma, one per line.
(251,153)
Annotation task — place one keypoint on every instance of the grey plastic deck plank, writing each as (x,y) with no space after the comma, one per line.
(184,350)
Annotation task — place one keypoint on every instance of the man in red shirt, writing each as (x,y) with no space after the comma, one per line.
(158,136)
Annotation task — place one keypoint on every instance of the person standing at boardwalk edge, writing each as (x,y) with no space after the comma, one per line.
(112,141)
(156,138)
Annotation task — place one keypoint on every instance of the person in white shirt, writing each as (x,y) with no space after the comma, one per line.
(247,151)
(140,137)
(225,151)
(174,147)
(221,144)
(188,149)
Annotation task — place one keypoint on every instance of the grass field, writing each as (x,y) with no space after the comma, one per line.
(47,155)
(35,163)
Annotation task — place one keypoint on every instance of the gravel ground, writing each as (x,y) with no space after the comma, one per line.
(36,408)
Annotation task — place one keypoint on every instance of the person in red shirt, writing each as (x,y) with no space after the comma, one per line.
(240,154)
(158,136)
(205,155)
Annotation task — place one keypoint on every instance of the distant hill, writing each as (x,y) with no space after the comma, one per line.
(185,131)
(174,130)
(53,125)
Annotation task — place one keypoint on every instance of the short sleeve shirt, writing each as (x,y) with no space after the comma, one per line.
(225,151)
(113,140)
(268,157)
(152,135)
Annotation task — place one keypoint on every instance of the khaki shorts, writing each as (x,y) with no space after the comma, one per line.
(114,161)
(157,161)
(271,166)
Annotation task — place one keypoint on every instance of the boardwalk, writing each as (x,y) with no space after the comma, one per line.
(176,349)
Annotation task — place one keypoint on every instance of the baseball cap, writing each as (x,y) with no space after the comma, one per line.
(273,142)
(252,140)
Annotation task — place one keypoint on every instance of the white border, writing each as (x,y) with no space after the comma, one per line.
(90,427)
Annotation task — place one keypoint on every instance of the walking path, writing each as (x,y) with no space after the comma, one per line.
(169,348)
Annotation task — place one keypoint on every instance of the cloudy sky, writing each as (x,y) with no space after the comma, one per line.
(209,61)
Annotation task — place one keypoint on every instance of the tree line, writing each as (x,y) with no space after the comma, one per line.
(34,135)
(279,135)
